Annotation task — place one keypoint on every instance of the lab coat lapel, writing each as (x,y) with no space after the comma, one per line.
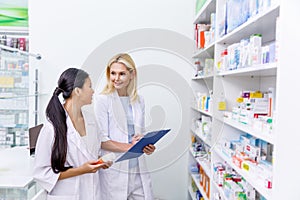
(119,113)
(137,114)
(92,130)
(74,137)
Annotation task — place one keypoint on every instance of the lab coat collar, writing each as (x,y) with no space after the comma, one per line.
(120,114)
(74,137)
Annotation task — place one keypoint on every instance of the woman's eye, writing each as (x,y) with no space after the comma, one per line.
(112,73)
(123,73)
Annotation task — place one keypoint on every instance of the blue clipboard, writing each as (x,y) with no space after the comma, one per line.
(137,150)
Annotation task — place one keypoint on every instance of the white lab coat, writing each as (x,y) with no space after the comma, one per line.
(81,187)
(112,121)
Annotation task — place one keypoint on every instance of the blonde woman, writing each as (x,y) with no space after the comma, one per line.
(120,112)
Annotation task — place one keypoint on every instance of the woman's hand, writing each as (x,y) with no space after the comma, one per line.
(92,167)
(88,167)
(106,165)
(149,149)
(136,138)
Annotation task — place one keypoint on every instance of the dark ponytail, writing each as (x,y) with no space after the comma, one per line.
(56,114)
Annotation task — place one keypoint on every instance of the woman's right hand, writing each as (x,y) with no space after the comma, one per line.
(92,167)
(88,167)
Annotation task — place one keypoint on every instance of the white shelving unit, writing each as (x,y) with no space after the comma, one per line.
(196,179)
(192,193)
(204,139)
(228,85)
(263,23)
(220,191)
(196,176)
(202,111)
(14,87)
(204,13)
(258,185)
(247,129)
(207,50)
(203,84)
(205,165)
(203,77)
(257,70)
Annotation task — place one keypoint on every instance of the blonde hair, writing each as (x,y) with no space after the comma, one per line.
(126,60)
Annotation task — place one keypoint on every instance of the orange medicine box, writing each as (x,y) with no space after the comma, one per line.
(237,161)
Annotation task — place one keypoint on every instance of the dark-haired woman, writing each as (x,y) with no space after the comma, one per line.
(68,145)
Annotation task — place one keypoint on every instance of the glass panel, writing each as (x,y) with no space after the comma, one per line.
(14,94)
(25,193)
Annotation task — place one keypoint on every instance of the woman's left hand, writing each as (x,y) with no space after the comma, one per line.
(149,149)
(136,138)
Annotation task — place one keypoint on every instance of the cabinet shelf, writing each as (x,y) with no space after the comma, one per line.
(263,23)
(192,194)
(247,129)
(22,126)
(250,178)
(12,30)
(205,167)
(269,69)
(204,139)
(203,77)
(13,70)
(220,190)
(14,109)
(14,88)
(197,180)
(207,52)
(203,16)
(202,111)
(204,164)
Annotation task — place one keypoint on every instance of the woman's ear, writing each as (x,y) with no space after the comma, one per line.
(77,91)
(132,74)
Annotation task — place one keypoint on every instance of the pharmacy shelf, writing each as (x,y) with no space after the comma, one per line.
(192,194)
(266,74)
(23,126)
(207,52)
(14,70)
(14,109)
(203,77)
(248,129)
(249,177)
(203,16)
(204,139)
(11,30)
(197,181)
(220,190)
(202,111)
(263,23)
(11,88)
(205,165)
(269,69)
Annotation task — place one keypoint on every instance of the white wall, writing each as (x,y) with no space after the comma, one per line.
(87,33)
